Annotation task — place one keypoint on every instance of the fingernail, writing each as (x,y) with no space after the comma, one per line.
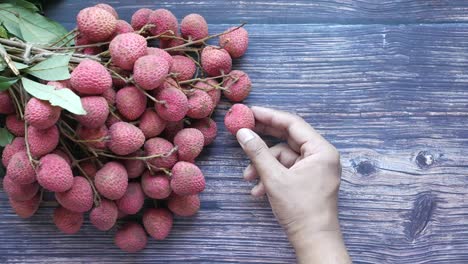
(244,135)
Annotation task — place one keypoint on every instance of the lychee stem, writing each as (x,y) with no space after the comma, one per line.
(28,150)
(163,155)
(148,95)
(73,31)
(18,105)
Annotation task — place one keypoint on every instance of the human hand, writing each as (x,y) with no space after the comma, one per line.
(301,180)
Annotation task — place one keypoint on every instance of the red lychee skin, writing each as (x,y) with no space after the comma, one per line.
(189,142)
(215,61)
(161,53)
(95,23)
(184,67)
(118,82)
(18,144)
(168,82)
(156,186)
(158,222)
(89,168)
(81,39)
(54,174)
(121,214)
(208,128)
(42,142)
(170,43)
(79,198)
(20,169)
(238,90)
(131,237)
(92,50)
(97,111)
(6,104)
(151,124)
(109,95)
(164,21)
(125,138)
(15,125)
(187,179)
(109,9)
(176,104)
(235,42)
(126,48)
(160,146)
(111,181)
(19,192)
(90,78)
(194,26)
(172,128)
(187,205)
(67,221)
(105,215)
(150,71)
(26,209)
(200,104)
(133,199)
(121,27)
(239,116)
(209,87)
(40,114)
(57,85)
(114,118)
(135,167)
(130,102)
(97,136)
(140,18)
(63,155)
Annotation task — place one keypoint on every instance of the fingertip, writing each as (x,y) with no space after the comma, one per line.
(249,173)
(258,190)
(244,135)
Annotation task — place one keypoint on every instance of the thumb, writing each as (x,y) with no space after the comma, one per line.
(259,153)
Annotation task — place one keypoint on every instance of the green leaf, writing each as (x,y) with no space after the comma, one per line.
(22,3)
(54,68)
(20,66)
(64,98)
(9,19)
(5,137)
(6,82)
(3,32)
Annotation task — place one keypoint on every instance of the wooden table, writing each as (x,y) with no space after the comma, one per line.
(385,81)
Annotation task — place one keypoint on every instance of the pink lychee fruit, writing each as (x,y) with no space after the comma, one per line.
(126,48)
(104,216)
(41,114)
(92,51)
(235,42)
(171,43)
(26,209)
(125,138)
(210,87)
(158,222)
(79,198)
(160,146)
(187,179)
(118,82)
(93,137)
(133,199)
(15,125)
(161,53)
(108,8)
(67,221)
(172,128)
(239,116)
(42,141)
(97,111)
(63,155)
(19,192)
(121,27)
(135,167)
(140,18)
(187,205)
(131,237)
(238,86)
(95,23)
(150,71)
(54,174)
(151,124)
(194,27)
(90,78)
(164,21)
(18,144)
(20,169)
(174,106)
(200,104)
(109,95)
(89,168)
(183,67)
(208,128)
(216,61)
(130,102)
(6,104)
(189,143)
(111,180)
(156,186)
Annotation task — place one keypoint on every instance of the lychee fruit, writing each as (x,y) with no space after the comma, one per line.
(150,71)
(121,27)
(41,114)
(235,42)
(172,128)
(135,167)
(90,78)
(209,86)
(56,84)
(89,168)
(108,8)
(97,111)
(158,222)
(189,142)
(18,144)
(174,106)
(42,141)
(133,199)
(111,180)
(95,23)
(183,67)
(168,82)
(140,18)
(187,205)
(125,138)
(156,186)
(79,198)
(170,43)
(208,128)
(104,216)
(200,104)
(15,125)
(93,137)
(161,53)
(20,169)
(160,146)
(92,50)
(118,82)
(27,208)
(19,192)
(63,155)
(151,124)
(194,27)
(238,86)
(131,237)
(113,118)
(130,102)
(187,179)
(164,21)
(54,174)
(215,61)
(6,104)
(109,95)
(126,48)
(67,221)
(239,116)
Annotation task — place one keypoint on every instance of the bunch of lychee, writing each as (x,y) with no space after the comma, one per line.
(148,117)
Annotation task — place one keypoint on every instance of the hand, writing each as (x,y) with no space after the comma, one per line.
(301,180)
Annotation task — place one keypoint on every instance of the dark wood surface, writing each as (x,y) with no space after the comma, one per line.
(385,81)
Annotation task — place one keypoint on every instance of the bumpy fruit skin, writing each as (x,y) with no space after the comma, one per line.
(189,142)
(95,23)
(160,146)
(161,53)
(200,104)
(187,179)
(172,128)
(121,27)
(26,209)
(150,71)
(239,116)
(40,114)
(67,221)
(125,138)
(187,205)
(54,174)
(194,26)
(109,95)
(79,198)
(133,199)
(215,61)
(96,136)
(169,43)
(209,87)
(105,215)
(235,42)
(156,186)
(184,67)
(6,104)
(140,18)
(19,192)
(63,155)
(20,169)
(151,124)
(130,102)
(176,104)
(135,167)
(92,50)
(90,78)
(97,111)
(158,222)
(208,128)
(42,142)
(89,168)
(15,125)
(164,20)
(111,181)
(126,48)
(238,90)
(109,9)
(131,237)
(18,144)
(118,82)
